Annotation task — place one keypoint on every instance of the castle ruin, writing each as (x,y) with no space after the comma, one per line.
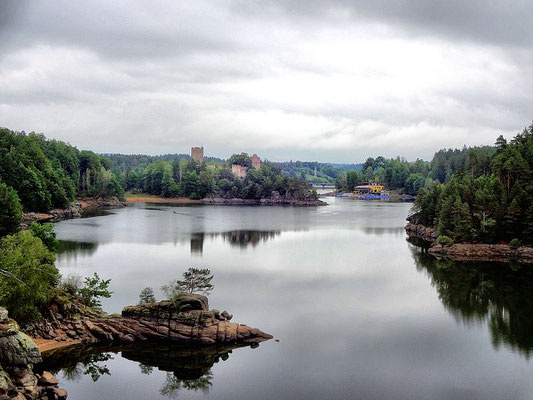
(256,161)
(197,154)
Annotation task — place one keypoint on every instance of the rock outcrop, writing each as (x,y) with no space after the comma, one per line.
(422,232)
(468,251)
(187,321)
(482,252)
(18,354)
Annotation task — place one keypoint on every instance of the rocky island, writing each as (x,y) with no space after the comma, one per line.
(188,321)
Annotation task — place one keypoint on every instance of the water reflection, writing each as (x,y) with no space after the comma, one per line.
(187,368)
(244,239)
(499,294)
(236,238)
(69,250)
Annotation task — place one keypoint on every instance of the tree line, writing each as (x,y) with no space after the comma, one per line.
(409,177)
(186,177)
(49,174)
(488,199)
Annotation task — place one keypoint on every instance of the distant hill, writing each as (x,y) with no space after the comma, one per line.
(348,167)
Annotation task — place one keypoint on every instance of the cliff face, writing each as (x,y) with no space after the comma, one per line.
(188,321)
(18,353)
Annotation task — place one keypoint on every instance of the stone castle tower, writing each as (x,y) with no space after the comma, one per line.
(197,154)
(256,161)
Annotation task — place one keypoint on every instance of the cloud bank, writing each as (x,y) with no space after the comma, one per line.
(316,80)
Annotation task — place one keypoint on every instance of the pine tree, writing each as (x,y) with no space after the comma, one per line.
(196,280)
(146,296)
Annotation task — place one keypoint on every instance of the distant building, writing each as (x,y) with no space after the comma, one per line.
(372,188)
(197,154)
(239,171)
(256,161)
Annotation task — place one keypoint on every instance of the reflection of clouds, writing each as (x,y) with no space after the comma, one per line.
(500,294)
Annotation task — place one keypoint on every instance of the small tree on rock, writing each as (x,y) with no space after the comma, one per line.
(194,280)
(146,296)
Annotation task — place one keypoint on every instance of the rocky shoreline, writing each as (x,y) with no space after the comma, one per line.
(469,251)
(189,322)
(75,211)
(18,355)
(275,200)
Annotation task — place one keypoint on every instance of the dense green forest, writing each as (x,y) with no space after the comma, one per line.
(410,177)
(49,174)
(488,198)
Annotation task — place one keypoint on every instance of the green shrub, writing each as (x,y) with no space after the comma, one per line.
(27,274)
(444,240)
(93,289)
(515,243)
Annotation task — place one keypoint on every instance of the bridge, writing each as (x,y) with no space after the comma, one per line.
(320,185)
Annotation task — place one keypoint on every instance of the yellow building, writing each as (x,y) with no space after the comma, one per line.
(373,188)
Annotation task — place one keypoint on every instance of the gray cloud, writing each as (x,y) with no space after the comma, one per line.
(497,21)
(332,81)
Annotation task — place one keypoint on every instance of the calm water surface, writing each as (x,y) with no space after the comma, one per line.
(359,312)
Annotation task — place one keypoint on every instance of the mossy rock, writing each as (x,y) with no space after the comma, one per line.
(19,349)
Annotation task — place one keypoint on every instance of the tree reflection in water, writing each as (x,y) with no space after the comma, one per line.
(237,238)
(187,367)
(499,294)
(173,384)
(91,364)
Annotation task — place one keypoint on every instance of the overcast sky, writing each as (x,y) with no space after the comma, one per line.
(321,80)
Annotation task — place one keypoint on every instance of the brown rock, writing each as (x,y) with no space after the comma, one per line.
(47,379)
(60,393)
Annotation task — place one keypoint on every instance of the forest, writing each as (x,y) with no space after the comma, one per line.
(185,177)
(122,164)
(488,199)
(409,177)
(49,174)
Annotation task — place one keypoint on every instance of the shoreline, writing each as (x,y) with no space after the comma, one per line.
(270,201)
(46,345)
(469,251)
(75,211)
(160,200)
(274,201)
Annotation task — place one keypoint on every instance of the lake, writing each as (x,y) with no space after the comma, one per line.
(359,312)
